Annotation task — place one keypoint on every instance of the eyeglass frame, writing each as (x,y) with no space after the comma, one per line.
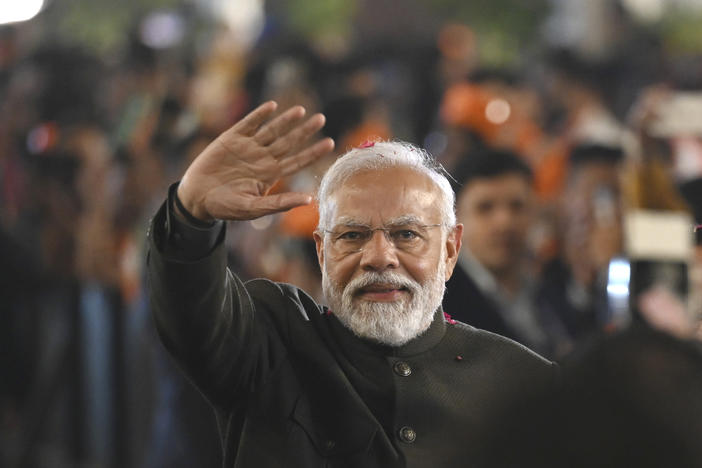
(397,224)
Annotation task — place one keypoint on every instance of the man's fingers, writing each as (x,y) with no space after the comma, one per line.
(279,126)
(293,139)
(294,163)
(254,119)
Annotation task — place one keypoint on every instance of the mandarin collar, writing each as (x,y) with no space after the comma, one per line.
(424,342)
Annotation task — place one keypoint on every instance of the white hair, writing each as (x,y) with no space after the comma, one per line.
(383,155)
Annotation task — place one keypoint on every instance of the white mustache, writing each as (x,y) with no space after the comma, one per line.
(393,279)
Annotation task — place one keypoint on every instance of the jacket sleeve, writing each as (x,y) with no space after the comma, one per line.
(207,320)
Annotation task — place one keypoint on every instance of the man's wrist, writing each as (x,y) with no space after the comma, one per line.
(184,214)
(188,239)
(188,207)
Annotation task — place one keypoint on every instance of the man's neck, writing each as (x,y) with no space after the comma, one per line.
(507,280)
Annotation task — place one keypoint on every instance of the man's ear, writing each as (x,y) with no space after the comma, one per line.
(319,245)
(453,247)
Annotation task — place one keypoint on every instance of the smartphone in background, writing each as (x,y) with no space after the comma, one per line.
(618,292)
(658,247)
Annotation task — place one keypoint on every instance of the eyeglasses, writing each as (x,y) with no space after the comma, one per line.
(410,237)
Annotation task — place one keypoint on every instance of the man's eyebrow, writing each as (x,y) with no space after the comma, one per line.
(403,220)
(348,221)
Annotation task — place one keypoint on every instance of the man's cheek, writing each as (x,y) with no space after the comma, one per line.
(340,272)
(418,269)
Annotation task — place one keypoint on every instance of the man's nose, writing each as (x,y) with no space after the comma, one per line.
(503,217)
(379,253)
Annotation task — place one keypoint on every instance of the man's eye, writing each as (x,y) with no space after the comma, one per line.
(405,234)
(351,235)
(517,205)
(484,207)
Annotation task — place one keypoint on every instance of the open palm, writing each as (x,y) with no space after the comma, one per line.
(230,179)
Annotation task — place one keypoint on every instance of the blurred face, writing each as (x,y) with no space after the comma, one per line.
(496,213)
(385,257)
(592,215)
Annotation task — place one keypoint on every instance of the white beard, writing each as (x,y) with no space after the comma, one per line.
(390,323)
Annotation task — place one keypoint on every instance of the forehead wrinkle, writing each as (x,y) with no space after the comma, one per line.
(345,220)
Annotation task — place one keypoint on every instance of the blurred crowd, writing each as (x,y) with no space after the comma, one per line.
(549,157)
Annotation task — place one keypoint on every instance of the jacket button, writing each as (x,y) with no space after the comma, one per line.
(330,444)
(402,369)
(407,435)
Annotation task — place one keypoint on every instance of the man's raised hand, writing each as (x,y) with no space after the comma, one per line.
(230,179)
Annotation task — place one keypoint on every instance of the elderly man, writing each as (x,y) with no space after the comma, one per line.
(381,377)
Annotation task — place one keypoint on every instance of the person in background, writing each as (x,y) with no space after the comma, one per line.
(628,399)
(573,285)
(493,286)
